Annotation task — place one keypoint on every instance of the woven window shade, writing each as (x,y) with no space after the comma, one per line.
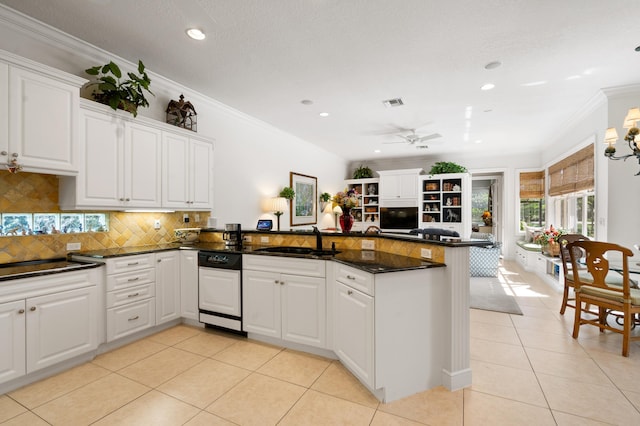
(573,173)
(532,184)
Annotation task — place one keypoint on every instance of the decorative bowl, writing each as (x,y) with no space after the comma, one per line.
(187,235)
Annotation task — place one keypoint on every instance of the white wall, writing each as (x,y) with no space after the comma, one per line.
(252,159)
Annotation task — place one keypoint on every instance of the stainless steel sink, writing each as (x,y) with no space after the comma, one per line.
(298,250)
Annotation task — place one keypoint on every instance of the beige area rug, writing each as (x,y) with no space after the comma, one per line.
(493,294)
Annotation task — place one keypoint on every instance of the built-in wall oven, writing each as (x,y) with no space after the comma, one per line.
(220,289)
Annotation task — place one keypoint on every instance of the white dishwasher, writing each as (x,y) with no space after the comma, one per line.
(220,290)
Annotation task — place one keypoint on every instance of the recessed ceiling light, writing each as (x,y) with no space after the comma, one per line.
(196,34)
(479,141)
(492,65)
(306,102)
(324,114)
(488,86)
(377,151)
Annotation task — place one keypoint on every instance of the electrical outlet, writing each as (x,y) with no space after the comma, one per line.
(74,246)
(368,245)
(185,218)
(264,239)
(197,217)
(156,224)
(426,253)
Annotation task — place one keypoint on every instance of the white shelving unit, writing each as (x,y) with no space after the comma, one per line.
(368,212)
(445,202)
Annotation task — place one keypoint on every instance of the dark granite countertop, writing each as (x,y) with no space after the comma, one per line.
(35,268)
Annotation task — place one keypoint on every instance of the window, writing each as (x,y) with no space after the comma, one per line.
(575,213)
(532,199)
(479,203)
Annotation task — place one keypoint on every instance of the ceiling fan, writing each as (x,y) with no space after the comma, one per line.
(413,138)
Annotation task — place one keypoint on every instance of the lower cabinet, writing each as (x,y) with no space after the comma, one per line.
(39,331)
(167,286)
(189,284)
(285,298)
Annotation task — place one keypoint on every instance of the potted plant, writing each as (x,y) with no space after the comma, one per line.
(120,94)
(362,172)
(288,193)
(442,167)
(324,199)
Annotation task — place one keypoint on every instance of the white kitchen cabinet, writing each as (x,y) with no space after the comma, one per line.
(187,172)
(130,294)
(378,316)
(285,298)
(121,163)
(353,338)
(189,284)
(12,340)
(46,320)
(399,188)
(167,286)
(39,109)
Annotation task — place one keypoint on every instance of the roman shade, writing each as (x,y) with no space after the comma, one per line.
(532,184)
(573,173)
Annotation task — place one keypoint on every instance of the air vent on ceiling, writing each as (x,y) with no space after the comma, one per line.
(396,102)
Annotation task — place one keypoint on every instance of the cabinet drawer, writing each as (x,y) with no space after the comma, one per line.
(129,295)
(130,279)
(355,278)
(284,265)
(130,318)
(130,263)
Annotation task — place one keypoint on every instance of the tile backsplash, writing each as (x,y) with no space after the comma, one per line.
(38,193)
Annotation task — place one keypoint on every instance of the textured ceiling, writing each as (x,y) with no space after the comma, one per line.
(264,57)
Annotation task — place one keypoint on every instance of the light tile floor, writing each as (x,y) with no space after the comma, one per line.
(526,370)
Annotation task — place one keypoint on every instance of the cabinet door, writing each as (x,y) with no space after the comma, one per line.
(175,170)
(61,326)
(201,178)
(43,115)
(167,286)
(408,186)
(261,303)
(353,332)
(100,182)
(12,340)
(219,291)
(189,284)
(303,310)
(142,156)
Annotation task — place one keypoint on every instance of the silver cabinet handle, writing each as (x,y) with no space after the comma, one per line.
(33,308)
(21,311)
(134,318)
(351,277)
(349,292)
(4,153)
(132,263)
(134,295)
(133,279)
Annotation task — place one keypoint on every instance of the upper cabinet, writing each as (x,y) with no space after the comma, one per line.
(38,116)
(399,188)
(187,172)
(133,163)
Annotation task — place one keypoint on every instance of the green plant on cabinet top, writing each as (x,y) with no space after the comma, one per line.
(442,167)
(362,172)
(124,94)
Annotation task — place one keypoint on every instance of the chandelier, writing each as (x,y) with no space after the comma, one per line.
(611,136)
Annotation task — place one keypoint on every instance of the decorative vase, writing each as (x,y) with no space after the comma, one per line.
(346,220)
(488,221)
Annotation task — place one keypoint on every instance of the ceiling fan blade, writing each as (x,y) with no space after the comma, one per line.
(396,142)
(429,137)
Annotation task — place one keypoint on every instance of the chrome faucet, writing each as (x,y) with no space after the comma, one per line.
(318,238)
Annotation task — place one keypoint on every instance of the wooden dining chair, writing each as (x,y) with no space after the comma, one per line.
(563,241)
(593,289)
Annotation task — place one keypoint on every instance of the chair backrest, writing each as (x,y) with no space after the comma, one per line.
(564,241)
(597,264)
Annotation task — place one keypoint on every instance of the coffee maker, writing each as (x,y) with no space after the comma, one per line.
(233,235)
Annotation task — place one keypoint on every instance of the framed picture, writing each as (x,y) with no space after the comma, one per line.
(305,203)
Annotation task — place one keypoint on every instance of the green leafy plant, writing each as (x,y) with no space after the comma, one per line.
(325,196)
(288,193)
(442,167)
(124,94)
(362,172)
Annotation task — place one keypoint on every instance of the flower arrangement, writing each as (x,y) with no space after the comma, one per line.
(548,236)
(486,217)
(347,199)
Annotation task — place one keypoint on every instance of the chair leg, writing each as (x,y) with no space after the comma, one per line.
(576,320)
(626,331)
(565,299)
(602,317)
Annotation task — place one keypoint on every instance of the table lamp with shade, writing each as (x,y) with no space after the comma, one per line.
(278,206)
